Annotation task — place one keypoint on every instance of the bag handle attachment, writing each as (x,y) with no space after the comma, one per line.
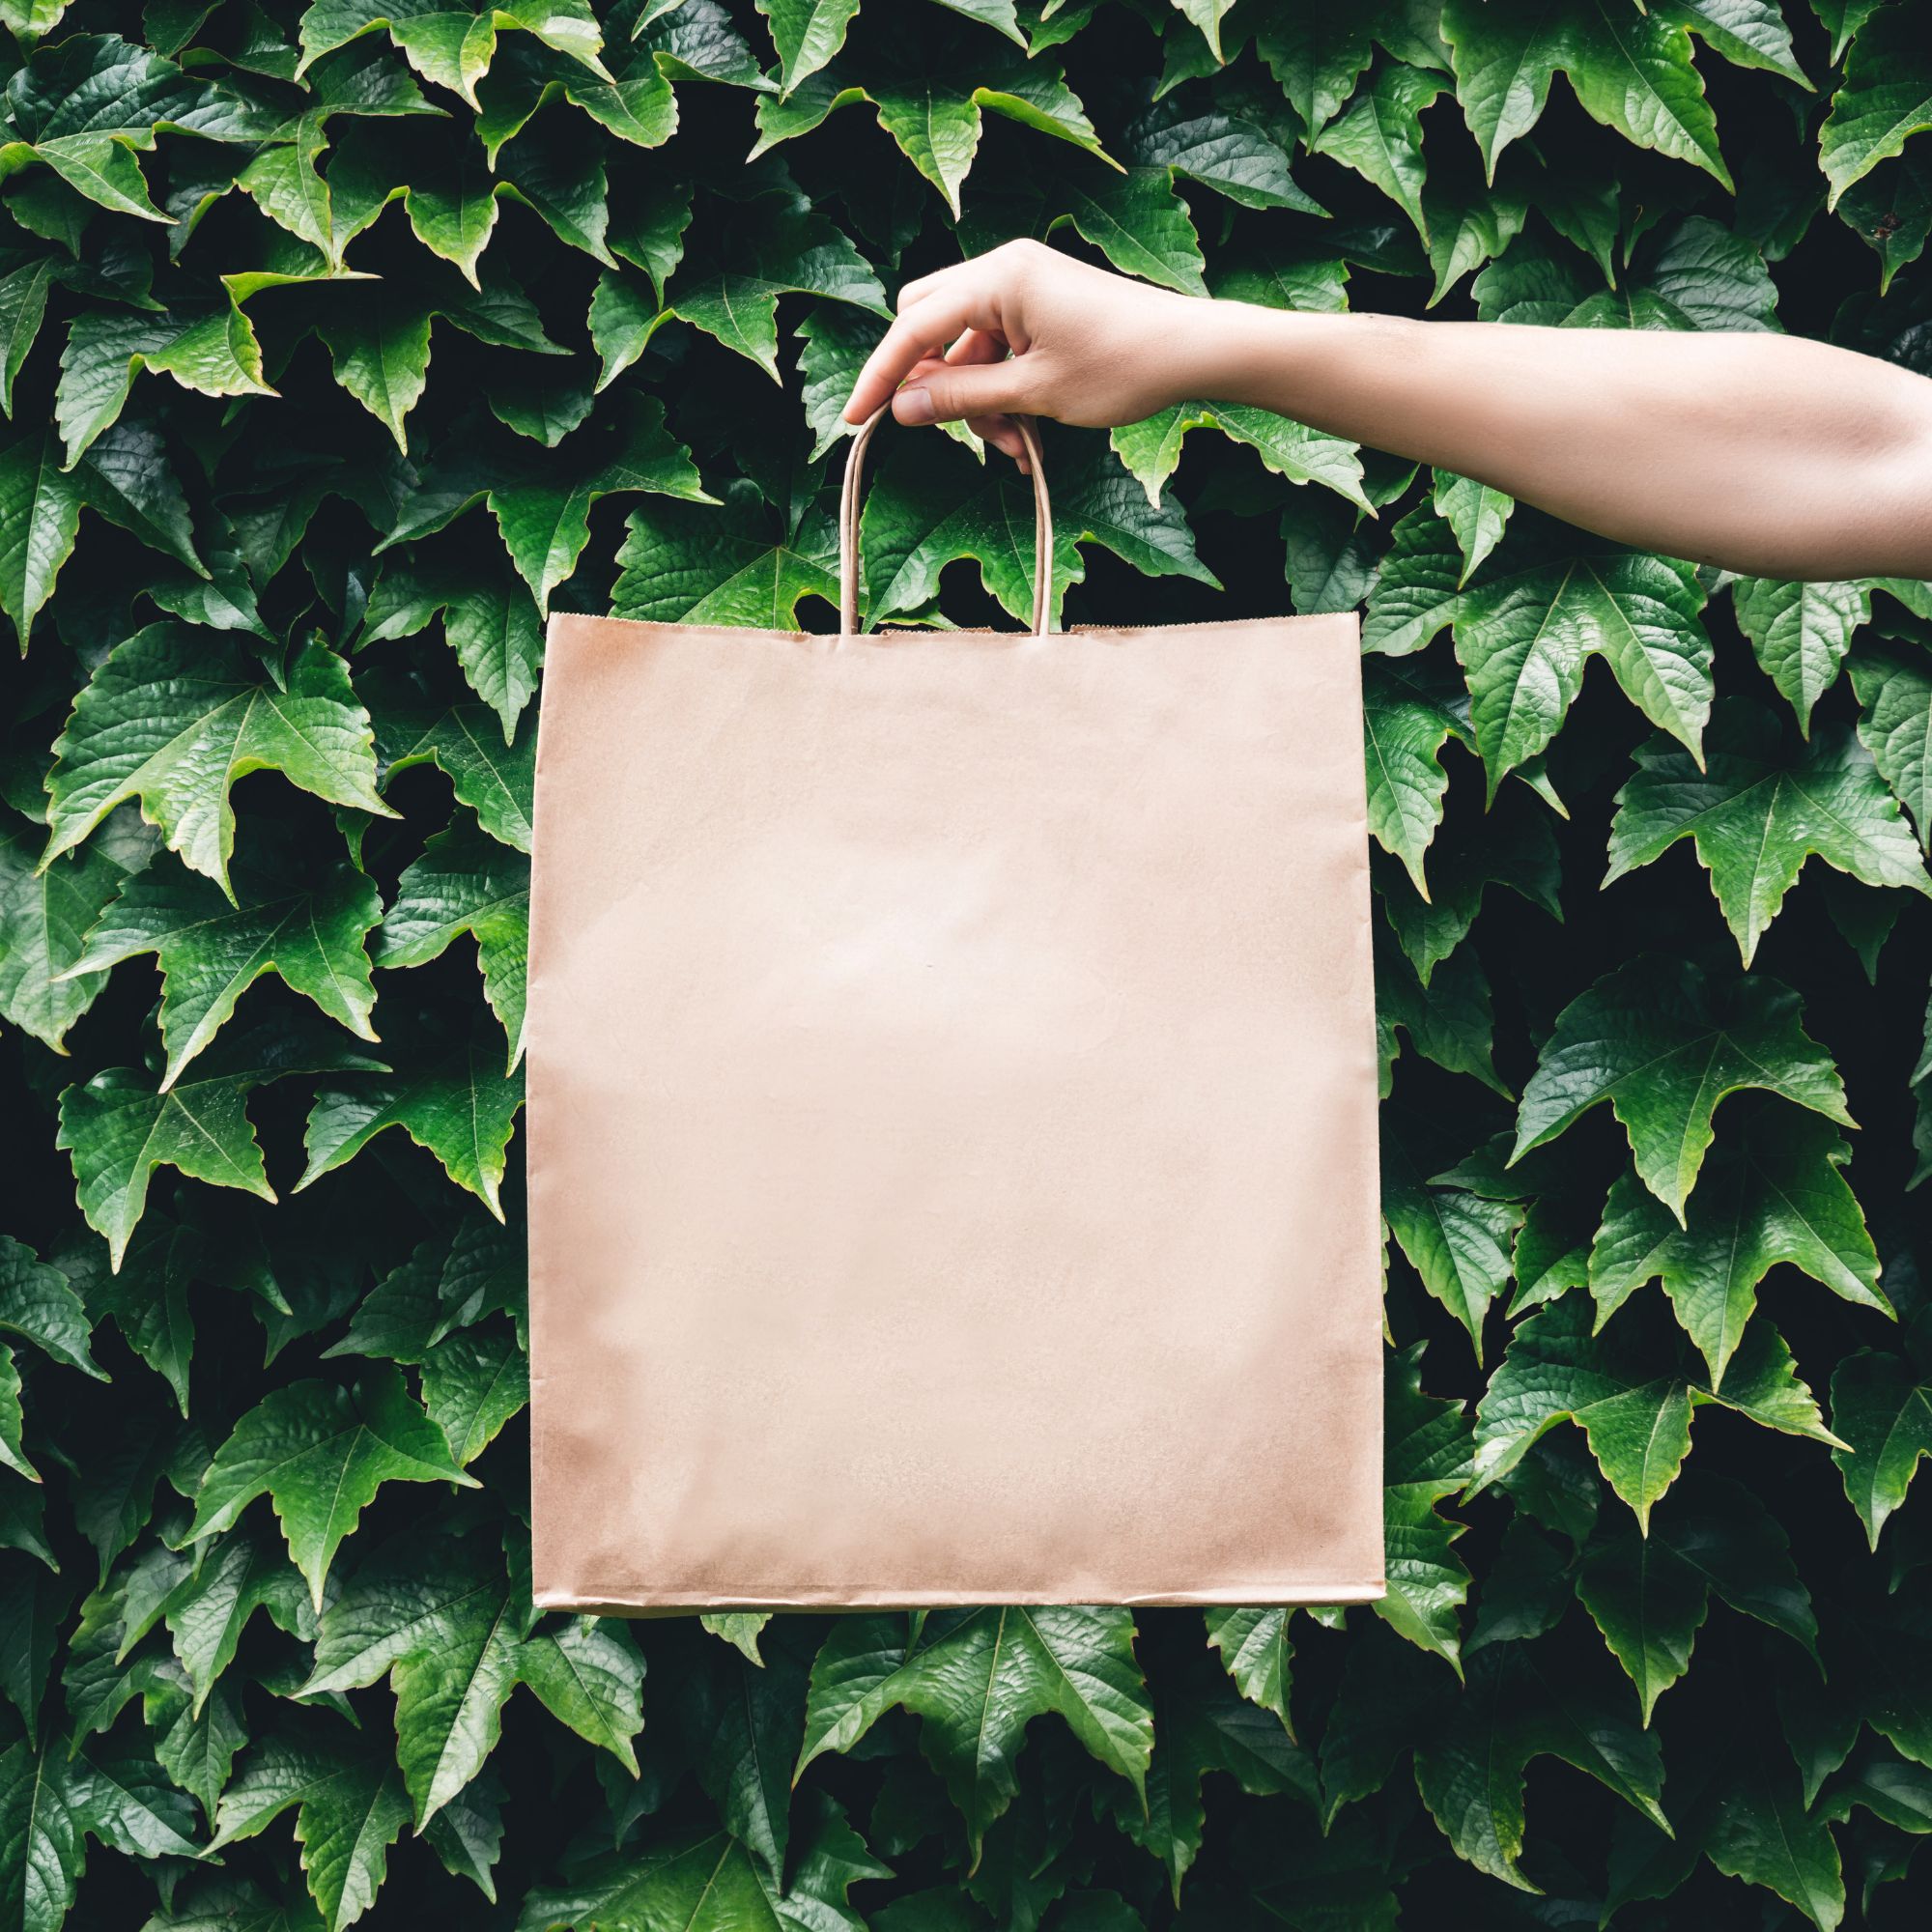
(848,525)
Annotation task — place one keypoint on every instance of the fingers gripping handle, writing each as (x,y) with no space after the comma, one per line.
(848,525)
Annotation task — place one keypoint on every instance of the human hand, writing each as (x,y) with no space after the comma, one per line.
(1026,328)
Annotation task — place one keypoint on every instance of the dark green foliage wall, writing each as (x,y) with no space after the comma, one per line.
(339,345)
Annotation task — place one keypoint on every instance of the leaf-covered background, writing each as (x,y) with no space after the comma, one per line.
(340,343)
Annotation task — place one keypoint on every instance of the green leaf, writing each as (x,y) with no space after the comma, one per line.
(698,565)
(39,1305)
(712,1883)
(1649,1594)
(1380,136)
(1777,1196)
(457,1103)
(1458,1243)
(465,742)
(41,1832)
(1763,1834)
(934,114)
(1896,727)
(175,715)
(320,1453)
(1882,1406)
(1756,817)
(806,34)
(1229,148)
(210,949)
(208,1611)
(1663,1044)
(1470,1773)
(120,1127)
(921,514)
(351,1808)
(1409,713)
(1632,1398)
(1425,1457)
(473,1383)
(545,520)
(1800,633)
(44,918)
(214,352)
(1447,1021)
(39,513)
(1633,71)
(466,882)
(380,346)
(1151,450)
(1475,513)
(1885,99)
(1257,1653)
(977,1678)
(1200,1726)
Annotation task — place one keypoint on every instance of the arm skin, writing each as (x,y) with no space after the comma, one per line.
(1767,454)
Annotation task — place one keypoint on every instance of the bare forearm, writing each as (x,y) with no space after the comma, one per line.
(1768,454)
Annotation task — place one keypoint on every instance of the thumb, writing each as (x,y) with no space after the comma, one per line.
(950,392)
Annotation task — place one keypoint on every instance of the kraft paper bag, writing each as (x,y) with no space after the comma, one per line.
(952,1162)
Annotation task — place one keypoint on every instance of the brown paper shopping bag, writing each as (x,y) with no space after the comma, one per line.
(952,1168)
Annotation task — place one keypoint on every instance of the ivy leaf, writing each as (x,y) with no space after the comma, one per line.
(1800,633)
(466,882)
(1755,818)
(545,520)
(691,565)
(120,1127)
(37,1304)
(733,296)
(806,34)
(380,346)
(1631,73)
(39,513)
(472,1384)
(588,1673)
(934,113)
(712,1883)
(1514,847)
(38,1815)
(1409,713)
(1201,1725)
(495,780)
(1663,1044)
(212,351)
(1257,1653)
(1447,1021)
(320,1453)
(208,1611)
(1633,1400)
(1882,1406)
(1896,727)
(1425,1457)
(921,514)
(1885,99)
(1470,1773)
(1227,147)
(44,918)
(1458,1243)
(175,715)
(1152,448)
(351,1808)
(210,948)
(1778,1196)
(1649,1594)
(1380,136)
(457,1103)
(1475,513)
(978,1678)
